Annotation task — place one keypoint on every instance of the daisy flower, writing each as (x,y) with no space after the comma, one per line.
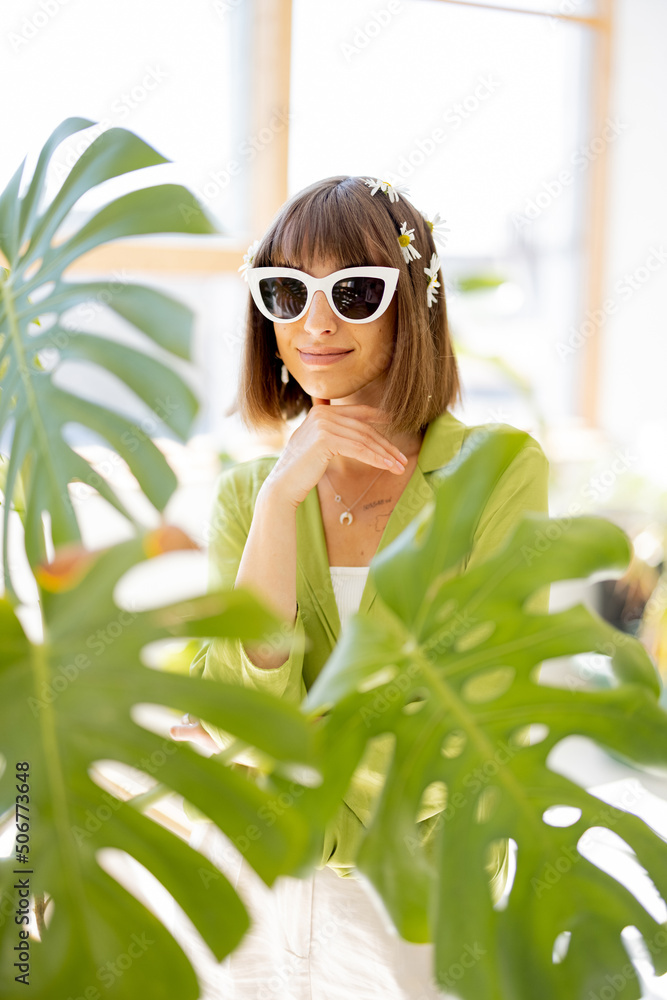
(439,229)
(393,190)
(248,258)
(431,273)
(405,242)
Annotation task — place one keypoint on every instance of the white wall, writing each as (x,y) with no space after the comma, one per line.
(634,370)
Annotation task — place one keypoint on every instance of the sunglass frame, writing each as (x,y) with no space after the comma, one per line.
(388,274)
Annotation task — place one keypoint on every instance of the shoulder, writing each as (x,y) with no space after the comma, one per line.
(521,478)
(448,439)
(529,452)
(475,433)
(526,471)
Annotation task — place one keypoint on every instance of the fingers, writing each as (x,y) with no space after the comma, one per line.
(368,446)
(372,456)
(181,732)
(347,426)
(195,733)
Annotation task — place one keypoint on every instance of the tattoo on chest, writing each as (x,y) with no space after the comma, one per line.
(376,503)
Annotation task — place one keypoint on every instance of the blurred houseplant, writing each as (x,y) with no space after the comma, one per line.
(66,702)
(447,696)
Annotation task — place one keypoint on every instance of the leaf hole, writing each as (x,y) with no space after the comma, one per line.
(561,944)
(447,610)
(487,803)
(46,360)
(489,685)
(530,735)
(32,269)
(42,324)
(561,815)
(416,702)
(434,797)
(613,855)
(500,865)
(303,774)
(42,291)
(454,744)
(474,636)
(382,676)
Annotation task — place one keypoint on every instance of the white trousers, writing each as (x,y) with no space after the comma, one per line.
(319,938)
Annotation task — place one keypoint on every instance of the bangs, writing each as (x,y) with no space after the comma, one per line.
(327,224)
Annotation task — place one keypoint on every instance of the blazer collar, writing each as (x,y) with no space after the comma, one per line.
(442,442)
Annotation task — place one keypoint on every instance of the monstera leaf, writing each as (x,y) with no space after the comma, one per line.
(454,679)
(67,704)
(35,339)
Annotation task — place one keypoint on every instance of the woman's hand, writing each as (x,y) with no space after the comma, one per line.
(327,431)
(189,729)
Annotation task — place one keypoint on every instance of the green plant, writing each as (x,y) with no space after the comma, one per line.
(67,704)
(450,682)
(32,404)
(67,700)
(452,687)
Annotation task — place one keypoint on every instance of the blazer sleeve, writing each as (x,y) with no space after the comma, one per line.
(225,659)
(522,488)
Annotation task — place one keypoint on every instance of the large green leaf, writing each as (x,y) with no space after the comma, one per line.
(67,704)
(36,409)
(453,682)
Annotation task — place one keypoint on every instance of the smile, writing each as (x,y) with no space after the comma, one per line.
(316,360)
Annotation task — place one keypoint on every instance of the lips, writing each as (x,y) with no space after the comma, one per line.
(333,350)
(318,359)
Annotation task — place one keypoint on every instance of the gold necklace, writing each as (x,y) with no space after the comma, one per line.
(346,516)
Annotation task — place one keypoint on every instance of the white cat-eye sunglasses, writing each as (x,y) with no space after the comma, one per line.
(355,294)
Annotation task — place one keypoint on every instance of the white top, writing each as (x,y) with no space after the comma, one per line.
(348,585)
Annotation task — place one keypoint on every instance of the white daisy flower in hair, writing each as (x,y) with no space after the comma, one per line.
(393,190)
(405,241)
(248,258)
(439,228)
(431,273)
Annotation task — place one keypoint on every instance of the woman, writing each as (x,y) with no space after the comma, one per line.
(346,322)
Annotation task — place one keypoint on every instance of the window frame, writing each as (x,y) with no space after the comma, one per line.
(269,42)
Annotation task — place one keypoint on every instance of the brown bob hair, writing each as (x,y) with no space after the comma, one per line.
(340,219)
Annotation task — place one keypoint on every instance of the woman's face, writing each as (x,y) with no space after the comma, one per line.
(357,375)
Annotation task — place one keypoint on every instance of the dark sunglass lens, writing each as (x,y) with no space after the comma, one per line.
(283,297)
(358,297)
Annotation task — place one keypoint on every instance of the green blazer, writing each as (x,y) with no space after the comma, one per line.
(522,487)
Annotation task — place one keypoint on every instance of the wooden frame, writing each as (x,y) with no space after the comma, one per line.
(592,22)
(596,227)
(270,75)
(589,392)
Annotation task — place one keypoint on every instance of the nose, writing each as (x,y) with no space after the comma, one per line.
(320,318)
